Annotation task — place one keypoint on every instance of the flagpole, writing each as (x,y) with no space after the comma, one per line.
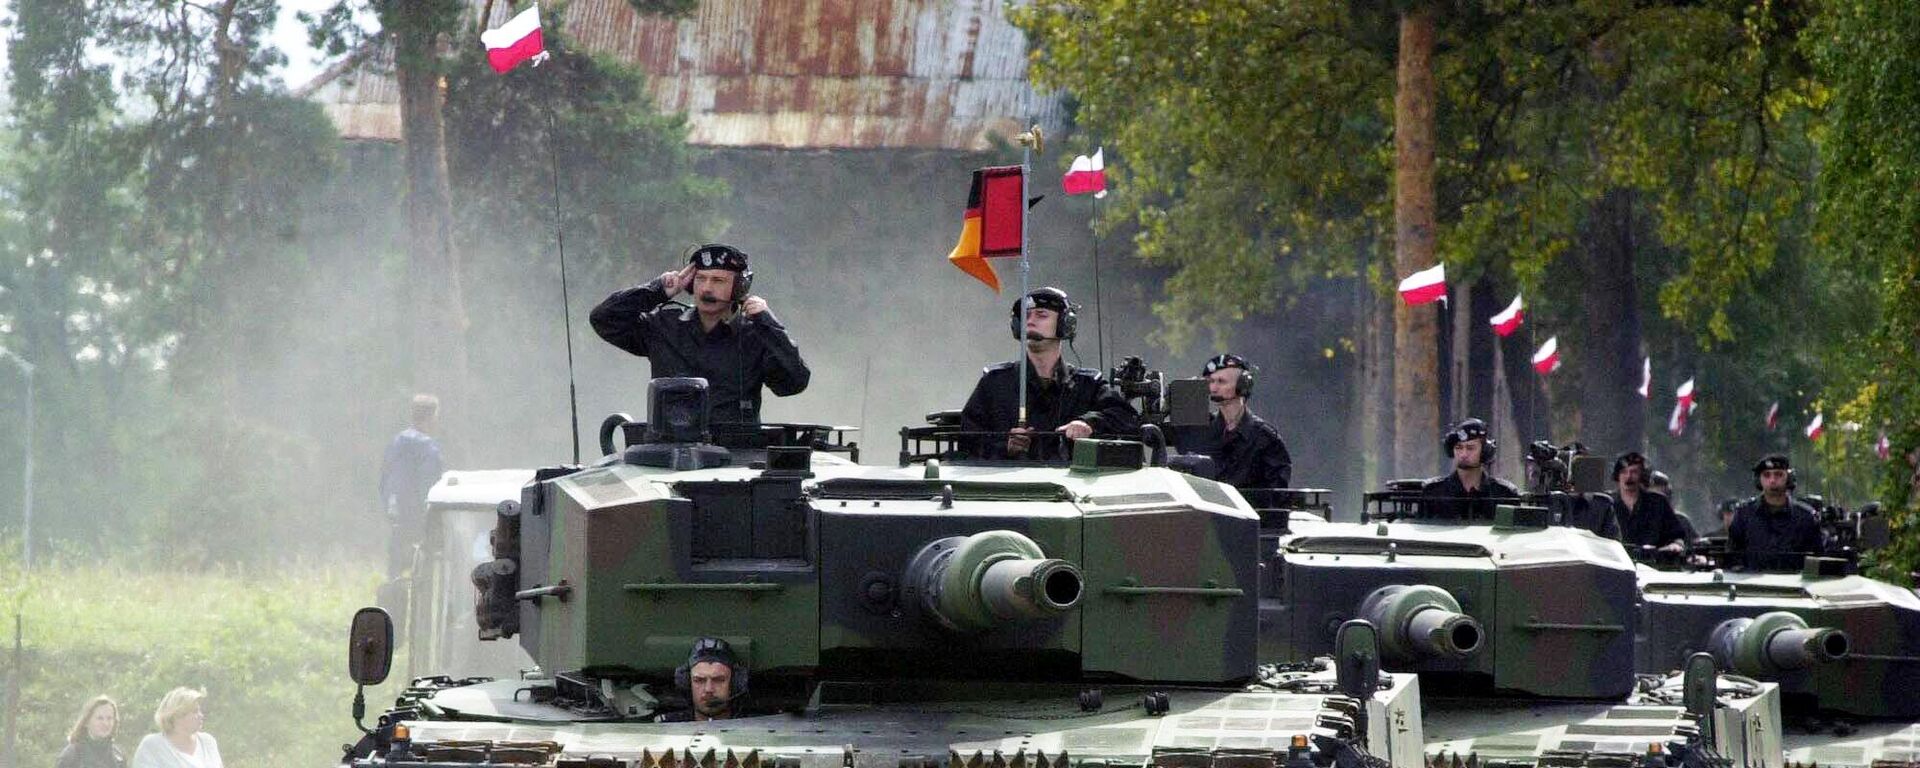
(1027,140)
(1100,311)
(560,244)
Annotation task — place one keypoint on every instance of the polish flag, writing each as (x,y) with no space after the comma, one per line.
(1773,416)
(1087,174)
(1509,319)
(515,41)
(1425,286)
(1547,360)
(1683,406)
(1883,447)
(1816,427)
(1646,379)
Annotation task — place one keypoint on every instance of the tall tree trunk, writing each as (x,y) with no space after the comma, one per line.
(438,328)
(1416,362)
(1613,417)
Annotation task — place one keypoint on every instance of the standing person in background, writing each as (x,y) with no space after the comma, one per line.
(90,743)
(180,742)
(411,467)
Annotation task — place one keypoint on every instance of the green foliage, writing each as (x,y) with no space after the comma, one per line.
(625,174)
(266,646)
(1868,54)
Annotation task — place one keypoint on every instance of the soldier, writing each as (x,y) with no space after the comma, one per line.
(1246,450)
(1074,402)
(1773,531)
(713,680)
(1469,490)
(729,337)
(1646,518)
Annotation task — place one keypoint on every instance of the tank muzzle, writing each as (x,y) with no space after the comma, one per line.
(978,582)
(1775,642)
(1418,622)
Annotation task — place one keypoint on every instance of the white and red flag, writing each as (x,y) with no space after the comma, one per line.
(1773,416)
(1883,448)
(1086,175)
(1425,286)
(516,41)
(1646,379)
(1816,427)
(1509,319)
(1547,358)
(1683,405)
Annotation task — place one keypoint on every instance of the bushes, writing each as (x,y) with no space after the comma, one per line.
(268,647)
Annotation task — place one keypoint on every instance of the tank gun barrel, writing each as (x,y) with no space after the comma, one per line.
(1420,622)
(1771,643)
(991,578)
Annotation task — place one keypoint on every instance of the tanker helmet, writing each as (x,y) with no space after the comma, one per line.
(1046,298)
(1468,430)
(727,257)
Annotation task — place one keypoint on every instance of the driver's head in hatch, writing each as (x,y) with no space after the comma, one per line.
(713,678)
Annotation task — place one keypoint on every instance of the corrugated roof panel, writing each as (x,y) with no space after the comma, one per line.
(786,73)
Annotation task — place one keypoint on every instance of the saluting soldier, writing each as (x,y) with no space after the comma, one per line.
(728,337)
(1072,402)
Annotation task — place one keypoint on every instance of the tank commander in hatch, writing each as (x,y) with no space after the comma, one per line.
(728,337)
(1073,402)
(713,680)
(1646,518)
(1246,450)
(1469,491)
(1773,531)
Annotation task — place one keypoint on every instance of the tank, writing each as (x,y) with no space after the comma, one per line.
(1104,611)
(1546,638)
(1099,612)
(1835,642)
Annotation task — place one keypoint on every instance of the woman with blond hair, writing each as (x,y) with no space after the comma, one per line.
(90,743)
(180,742)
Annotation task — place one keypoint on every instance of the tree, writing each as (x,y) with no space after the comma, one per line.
(1416,366)
(1870,223)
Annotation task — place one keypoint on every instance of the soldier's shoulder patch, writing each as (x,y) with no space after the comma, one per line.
(1006,366)
(1087,373)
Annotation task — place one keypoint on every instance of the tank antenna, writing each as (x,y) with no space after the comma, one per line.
(560,245)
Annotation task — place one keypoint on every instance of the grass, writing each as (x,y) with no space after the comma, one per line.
(268,646)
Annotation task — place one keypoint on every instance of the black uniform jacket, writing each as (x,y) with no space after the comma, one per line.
(1074,394)
(1251,455)
(1768,538)
(1448,499)
(737,358)
(1650,522)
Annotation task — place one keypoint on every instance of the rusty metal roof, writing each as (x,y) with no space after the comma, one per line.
(789,74)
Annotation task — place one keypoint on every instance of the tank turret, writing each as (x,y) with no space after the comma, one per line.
(1505,605)
(1836,642)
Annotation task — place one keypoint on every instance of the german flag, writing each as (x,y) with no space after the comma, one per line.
(992,226)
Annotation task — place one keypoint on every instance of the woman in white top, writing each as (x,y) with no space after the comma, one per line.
(180,742)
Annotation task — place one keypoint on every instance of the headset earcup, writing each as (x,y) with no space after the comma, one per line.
(737,684)
(1069,321)
(1243,385)
(683,678)
(743,286)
